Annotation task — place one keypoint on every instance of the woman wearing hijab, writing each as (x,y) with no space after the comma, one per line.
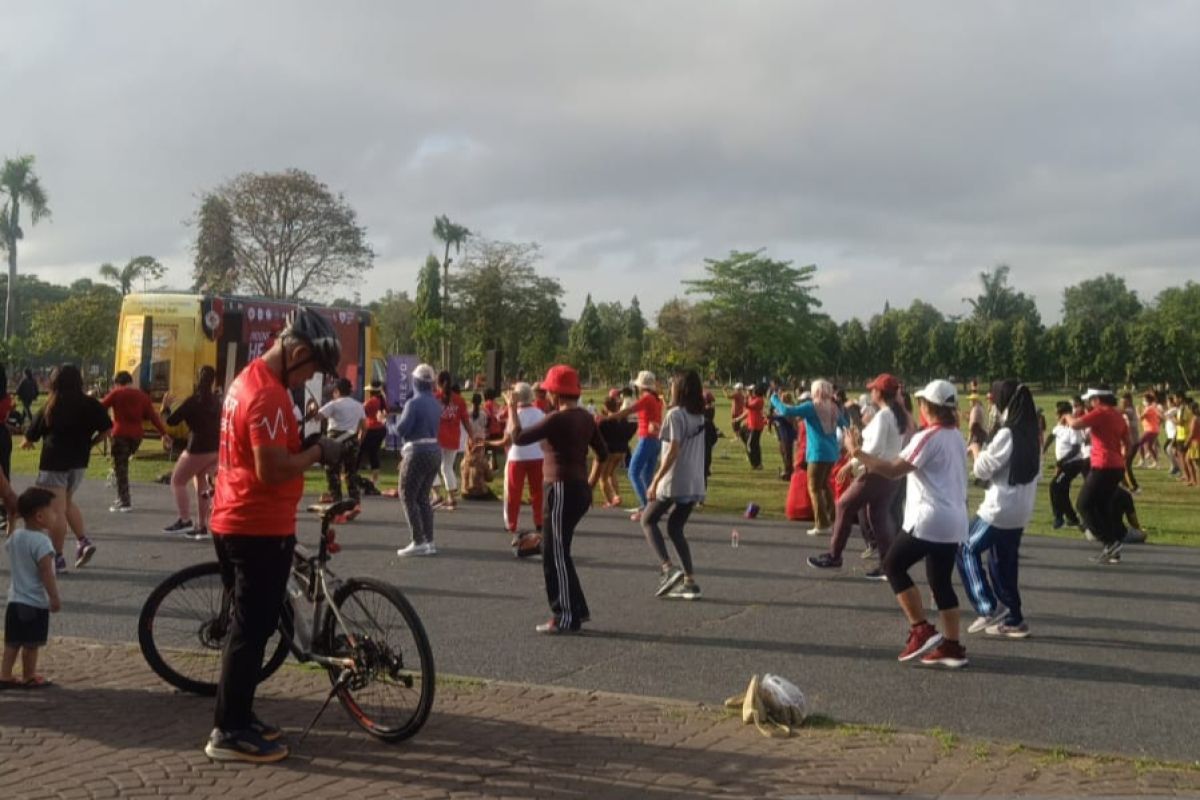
(421,458)
(1011,464)
(822,417)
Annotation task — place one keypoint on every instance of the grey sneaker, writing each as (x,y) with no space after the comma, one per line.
(84,552)
(120,508)
(247,745)
(1111,554)
(870,552)
(983,622)
(669,580)
(686,591)
(1008,631)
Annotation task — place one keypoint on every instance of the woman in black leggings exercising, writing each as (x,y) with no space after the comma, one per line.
(935,524)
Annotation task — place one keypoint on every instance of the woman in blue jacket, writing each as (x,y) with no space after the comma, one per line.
(822,417)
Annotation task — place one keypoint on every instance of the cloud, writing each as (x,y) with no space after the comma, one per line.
(901,147)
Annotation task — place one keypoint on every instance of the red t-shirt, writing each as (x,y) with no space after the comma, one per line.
(258,412)
(6,407)
(454,417)
(543,403)
(649,411)
(738,405)
(755,420)
(1109,431)
(372,408)
(130,407)
(1151,419)
(495,423)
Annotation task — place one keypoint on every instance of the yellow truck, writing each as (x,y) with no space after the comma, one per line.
(164,339)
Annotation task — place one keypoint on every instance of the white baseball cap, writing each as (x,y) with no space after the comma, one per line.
(645,380)
(1097,392)
(939,393)
(738,385)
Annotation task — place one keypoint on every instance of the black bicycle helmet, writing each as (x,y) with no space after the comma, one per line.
(318,333)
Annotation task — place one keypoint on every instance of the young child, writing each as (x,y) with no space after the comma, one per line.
(33,593)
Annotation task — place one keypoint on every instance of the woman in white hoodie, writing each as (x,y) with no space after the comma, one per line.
(1011,463)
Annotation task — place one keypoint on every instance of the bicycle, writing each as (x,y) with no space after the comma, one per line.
(367,652)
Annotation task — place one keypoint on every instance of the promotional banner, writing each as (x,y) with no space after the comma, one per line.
(399,389)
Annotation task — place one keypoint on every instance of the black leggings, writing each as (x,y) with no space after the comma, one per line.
(371,443)
(1095,503)
(565,504)
(754,453)
(675,522)
(939,567)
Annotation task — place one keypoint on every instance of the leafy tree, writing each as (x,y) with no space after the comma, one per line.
(395,322)
(633,341)
(82,328)
(292,236)
(763,309)
(855,351)
(144,267)
(999,302)
(451,235)
(428,327)
(502,302)
(585,342)
(215,267)
(1092,310)
(18,184)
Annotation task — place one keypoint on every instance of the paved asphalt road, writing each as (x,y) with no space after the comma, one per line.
(1112,665)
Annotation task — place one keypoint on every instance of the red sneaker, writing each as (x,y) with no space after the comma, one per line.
(921,638)
(947,654)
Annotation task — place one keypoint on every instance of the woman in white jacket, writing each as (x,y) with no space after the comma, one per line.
(1011,463)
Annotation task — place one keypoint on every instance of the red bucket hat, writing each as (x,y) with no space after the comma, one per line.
(563,380)
(885,383)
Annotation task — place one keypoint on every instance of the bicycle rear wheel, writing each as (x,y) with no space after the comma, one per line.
(391,692)
(183,627)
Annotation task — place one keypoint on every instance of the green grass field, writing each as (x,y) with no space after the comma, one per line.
(1167,509)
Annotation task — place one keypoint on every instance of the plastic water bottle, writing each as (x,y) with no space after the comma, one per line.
(735,538)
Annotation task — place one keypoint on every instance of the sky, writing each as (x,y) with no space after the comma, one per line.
(900,147)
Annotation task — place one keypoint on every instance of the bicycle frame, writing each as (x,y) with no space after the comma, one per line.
(309,587)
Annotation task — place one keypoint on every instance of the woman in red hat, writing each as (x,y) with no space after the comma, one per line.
(565,434)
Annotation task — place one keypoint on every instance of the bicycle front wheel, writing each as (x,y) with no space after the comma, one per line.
(390,692)
(183,627)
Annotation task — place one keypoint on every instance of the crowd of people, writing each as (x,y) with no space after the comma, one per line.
(893,466)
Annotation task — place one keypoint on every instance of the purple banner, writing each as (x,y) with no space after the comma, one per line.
(399,389)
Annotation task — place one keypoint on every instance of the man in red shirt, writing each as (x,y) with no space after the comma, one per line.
(259,483)
(130,408)
(1110,438)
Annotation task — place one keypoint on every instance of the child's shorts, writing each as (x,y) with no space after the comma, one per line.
(26,626)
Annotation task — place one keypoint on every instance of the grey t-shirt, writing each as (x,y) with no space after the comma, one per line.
(25,549)
(686,478)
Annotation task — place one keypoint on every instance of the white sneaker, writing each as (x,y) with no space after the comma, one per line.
(819,531)
(415,549)
(982,623)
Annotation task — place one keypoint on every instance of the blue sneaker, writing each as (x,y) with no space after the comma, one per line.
(245,745)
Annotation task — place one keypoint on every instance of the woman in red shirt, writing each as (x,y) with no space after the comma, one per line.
(649,410)
(1151,417)
(754,421)
(1109,436)
(371,440)
(455,421)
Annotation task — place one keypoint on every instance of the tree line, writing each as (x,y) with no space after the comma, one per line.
(750,317)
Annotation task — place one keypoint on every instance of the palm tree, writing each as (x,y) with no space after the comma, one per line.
(451,234)
(18,184)
(144,267)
